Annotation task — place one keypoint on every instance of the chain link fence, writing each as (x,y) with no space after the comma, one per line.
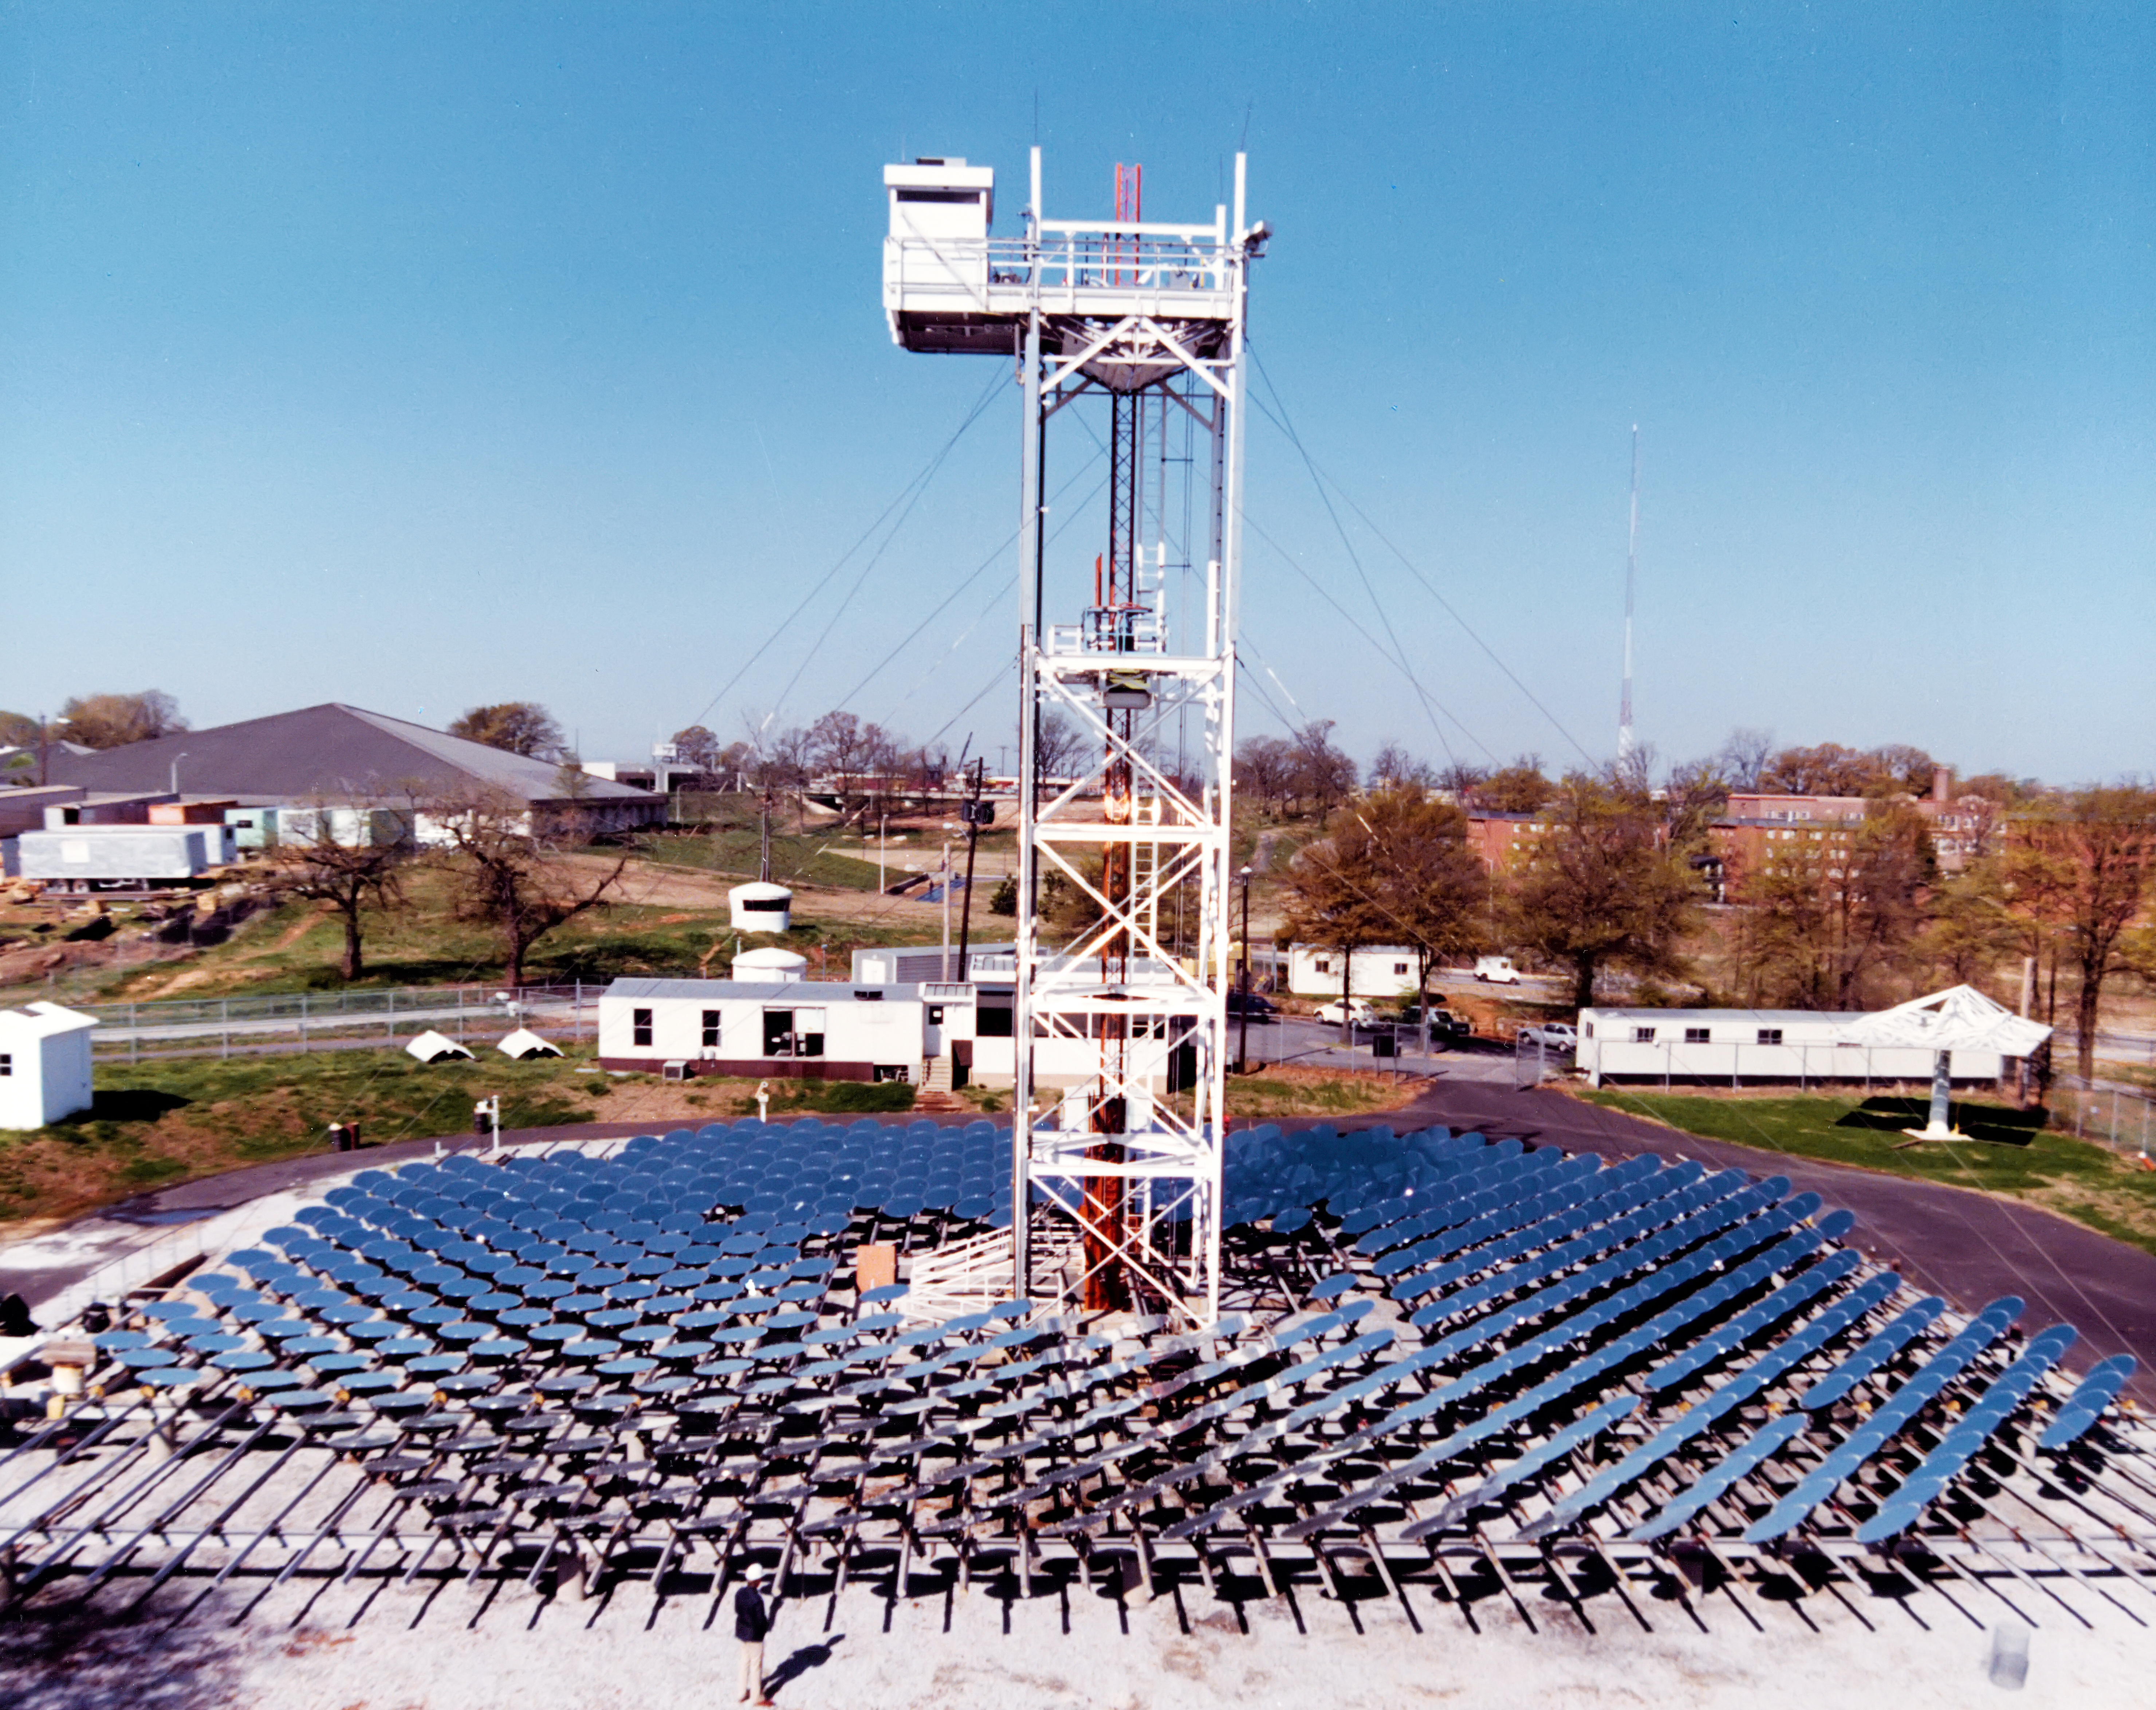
(2104,1112)
(278,1022)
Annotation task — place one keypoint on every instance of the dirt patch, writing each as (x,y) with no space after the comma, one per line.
(1295,1089)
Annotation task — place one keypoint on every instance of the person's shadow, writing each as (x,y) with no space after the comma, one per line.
(800,1663)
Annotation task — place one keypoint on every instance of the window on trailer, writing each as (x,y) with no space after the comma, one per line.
(711,1030)
(639,1025)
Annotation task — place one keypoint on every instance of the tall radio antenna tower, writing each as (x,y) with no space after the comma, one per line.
(1625,741)
(1119,1046)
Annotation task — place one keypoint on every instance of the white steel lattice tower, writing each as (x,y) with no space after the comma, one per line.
(1123,938)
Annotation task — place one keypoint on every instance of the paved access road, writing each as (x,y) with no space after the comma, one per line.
(1969,1246)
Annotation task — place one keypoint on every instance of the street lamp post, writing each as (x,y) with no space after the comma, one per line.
(1242,1044)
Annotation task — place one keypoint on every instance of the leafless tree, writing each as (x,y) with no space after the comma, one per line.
(1265,767)
(1694,796)
(1059,747)
(506,875)
(1395,768)
(350,874)
(1744,756)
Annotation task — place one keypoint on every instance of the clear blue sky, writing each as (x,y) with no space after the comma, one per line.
(420,355)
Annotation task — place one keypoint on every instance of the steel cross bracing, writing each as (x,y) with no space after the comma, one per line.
(1120,1034)
(1132,1152)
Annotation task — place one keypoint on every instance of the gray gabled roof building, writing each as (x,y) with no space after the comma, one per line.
(346,754)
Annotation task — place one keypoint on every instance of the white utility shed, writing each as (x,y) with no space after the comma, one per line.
(1735,1046)
(44,1064)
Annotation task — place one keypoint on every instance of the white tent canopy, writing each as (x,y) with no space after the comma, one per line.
(1959,1019)
(524,1044)
(432,1047)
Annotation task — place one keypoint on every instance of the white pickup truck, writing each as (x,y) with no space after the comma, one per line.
(1497,971)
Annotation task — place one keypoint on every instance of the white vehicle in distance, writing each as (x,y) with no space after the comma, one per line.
(1349,1009)
(1553,1036)
(1497,971)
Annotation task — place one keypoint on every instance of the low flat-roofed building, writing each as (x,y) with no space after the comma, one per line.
(24,810)
(1750,1047)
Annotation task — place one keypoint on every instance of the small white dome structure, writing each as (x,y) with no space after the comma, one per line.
(770,967)
(760,906)
(432,1047)
(524,1044)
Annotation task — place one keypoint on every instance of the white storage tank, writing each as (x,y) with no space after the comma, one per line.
(770,967)
(760,906)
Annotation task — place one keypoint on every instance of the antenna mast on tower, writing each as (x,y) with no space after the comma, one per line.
(1625,743)
(1119,1048)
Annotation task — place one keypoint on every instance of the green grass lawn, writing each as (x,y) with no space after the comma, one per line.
(156,1123)
(2009,1151)
(833,860)
(297,947)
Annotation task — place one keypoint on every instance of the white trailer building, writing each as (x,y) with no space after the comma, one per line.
(1380,971)
(799,1029)
(83,857)
(1741,1047)
(44,1064)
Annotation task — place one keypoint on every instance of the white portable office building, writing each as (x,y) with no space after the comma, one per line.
(1380,971)
(1737,1047)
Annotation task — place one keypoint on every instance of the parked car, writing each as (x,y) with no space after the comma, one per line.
(1355,1011)
(1552,1036)
(1497,970)
(1442,1023)
(1257,1006)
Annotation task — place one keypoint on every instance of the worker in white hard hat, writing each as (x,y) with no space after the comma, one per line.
(752,1621)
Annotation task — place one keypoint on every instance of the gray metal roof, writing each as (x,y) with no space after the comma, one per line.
(333,750)
(802,991)
(1787,1017)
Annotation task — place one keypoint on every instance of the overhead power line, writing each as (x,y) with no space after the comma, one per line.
(1326,480)
(902,505)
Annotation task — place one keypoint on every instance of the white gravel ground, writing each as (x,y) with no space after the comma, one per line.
(459,1648)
